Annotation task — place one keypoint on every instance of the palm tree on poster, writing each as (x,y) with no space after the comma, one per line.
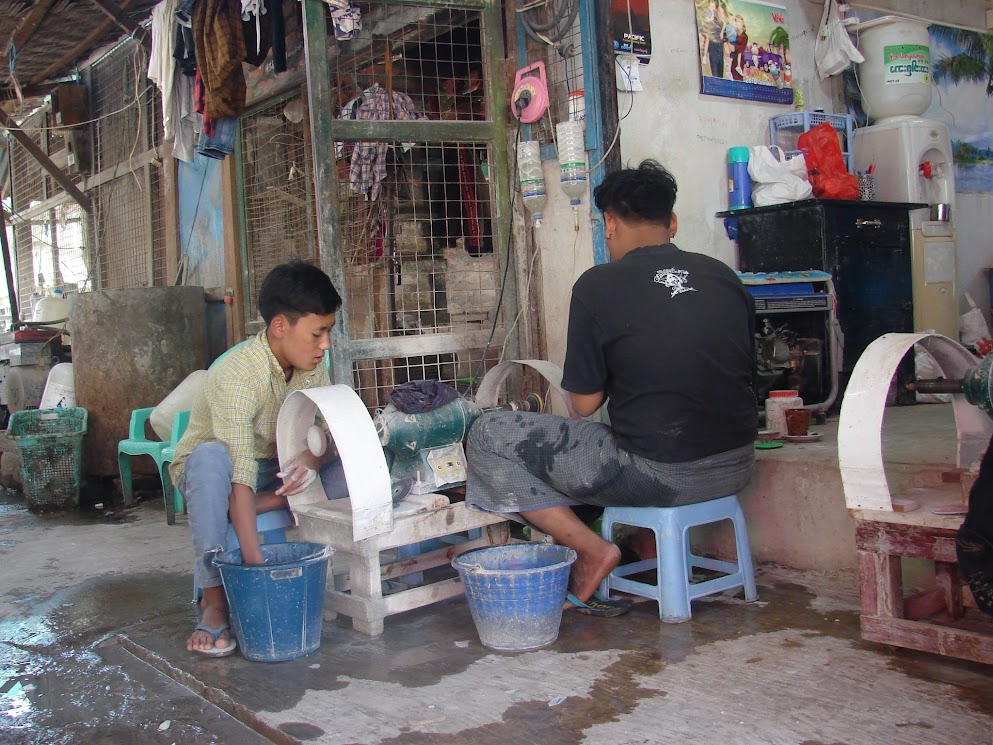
(779,39)
(972,64)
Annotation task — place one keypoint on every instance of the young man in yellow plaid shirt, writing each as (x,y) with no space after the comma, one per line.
(226,465)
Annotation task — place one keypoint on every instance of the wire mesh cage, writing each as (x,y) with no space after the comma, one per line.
(429,57)
(276,192)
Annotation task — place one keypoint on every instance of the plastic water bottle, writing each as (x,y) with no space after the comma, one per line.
(532,178)
(572,163)
(739,182)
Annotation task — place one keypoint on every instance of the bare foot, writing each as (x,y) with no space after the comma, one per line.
(213,613)
(591,567)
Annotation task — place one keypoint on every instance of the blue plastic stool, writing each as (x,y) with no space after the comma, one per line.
(675,562)
(272,526)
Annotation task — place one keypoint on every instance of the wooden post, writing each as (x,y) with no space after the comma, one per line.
(8,269)
(315,49)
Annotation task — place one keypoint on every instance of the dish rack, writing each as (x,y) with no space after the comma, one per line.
(785,131)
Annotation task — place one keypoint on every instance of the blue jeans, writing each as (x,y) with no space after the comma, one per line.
(222,142)
(206,487)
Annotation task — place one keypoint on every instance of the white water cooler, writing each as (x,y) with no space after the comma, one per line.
(912,158)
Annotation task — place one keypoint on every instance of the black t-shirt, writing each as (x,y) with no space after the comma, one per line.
(668,335)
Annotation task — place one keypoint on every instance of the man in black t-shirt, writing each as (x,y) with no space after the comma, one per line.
(666,337)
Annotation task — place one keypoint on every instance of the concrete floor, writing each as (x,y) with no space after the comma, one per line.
(94,613)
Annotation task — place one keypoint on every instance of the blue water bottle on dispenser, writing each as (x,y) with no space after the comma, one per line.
(739,182)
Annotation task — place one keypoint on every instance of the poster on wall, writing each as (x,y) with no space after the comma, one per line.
(632,28)
(963,99)
(744,50)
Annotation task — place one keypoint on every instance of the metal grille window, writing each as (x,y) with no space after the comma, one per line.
(276,193)
(122,242)
(422,240)
(127,232)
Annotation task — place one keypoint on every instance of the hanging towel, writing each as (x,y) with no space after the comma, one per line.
(368,168)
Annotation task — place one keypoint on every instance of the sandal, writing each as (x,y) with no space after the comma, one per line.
(216,631)
(599,607)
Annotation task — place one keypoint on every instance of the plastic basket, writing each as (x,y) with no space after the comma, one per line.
(785,130)
(51,446)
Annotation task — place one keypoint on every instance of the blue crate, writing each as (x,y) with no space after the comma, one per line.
(785,130)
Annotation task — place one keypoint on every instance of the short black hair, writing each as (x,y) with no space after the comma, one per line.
(295,289)
(643,194)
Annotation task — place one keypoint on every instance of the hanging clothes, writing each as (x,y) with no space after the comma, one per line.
(368,167)
(161,62)
(220,38)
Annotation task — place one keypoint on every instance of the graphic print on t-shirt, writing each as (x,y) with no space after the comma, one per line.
(674,279)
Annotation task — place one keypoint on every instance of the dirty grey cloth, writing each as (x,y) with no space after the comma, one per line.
(521,461)
(419,396)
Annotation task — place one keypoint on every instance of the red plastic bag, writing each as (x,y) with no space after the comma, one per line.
(825,164)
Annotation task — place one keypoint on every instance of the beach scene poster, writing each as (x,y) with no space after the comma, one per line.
(962,70)
(744,50)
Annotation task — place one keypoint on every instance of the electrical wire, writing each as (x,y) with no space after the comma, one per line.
(551,31)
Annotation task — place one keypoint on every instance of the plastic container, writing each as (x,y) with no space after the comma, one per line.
(775,409)
(572,160)
(51,309)
(277,607)
(60,392)
(181,398)
(51,446)
(516,593)
(532,178)
(895,78)
(739,182)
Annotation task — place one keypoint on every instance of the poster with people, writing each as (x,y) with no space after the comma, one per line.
(744,50)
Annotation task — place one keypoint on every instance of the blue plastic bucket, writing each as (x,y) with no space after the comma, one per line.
(516,592)
(277,607)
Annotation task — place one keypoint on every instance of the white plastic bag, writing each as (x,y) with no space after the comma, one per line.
(972,324)
(777,180)
(833,49)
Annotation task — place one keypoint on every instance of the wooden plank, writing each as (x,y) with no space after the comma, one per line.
(421,344)
(880,584)
(427,130)
(929,637)
(233,269)
(82,47)
(319,99)
(906,540)
(115,13)
(950,584)
(36,152)
(170,214)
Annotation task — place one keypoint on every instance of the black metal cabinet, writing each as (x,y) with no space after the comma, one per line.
(864,245)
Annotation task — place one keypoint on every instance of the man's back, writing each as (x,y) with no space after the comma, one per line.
(668,335)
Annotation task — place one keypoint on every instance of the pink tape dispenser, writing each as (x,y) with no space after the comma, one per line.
(530,98)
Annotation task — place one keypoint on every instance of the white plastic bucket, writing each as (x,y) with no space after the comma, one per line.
(60,391)
(895,78)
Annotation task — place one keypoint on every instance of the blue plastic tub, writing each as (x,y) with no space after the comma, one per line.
(516,592)
(277,607)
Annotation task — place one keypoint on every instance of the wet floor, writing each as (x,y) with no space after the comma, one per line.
(95,614)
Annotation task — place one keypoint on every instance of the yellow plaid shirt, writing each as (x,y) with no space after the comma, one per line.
(238,406)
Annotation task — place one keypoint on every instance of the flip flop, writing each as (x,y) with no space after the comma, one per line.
(216,631)
(599,607)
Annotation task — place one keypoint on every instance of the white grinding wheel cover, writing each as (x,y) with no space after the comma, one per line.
(489,388)
(361,454)
(860,444)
